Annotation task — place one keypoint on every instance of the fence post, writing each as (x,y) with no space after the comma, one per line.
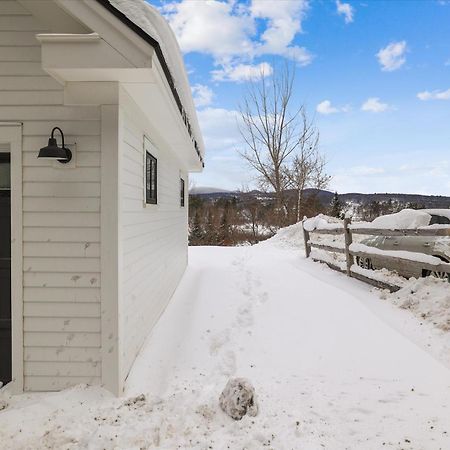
(348,242)
(306,238)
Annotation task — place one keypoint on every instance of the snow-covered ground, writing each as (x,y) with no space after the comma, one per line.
(334,366)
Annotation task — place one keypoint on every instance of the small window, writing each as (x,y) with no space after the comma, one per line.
(151,179)
(439,220)
(182,192)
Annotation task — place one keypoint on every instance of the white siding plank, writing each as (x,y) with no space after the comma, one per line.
(38,384)
(19,68)
(83,159)
(46,189)
(62,265)
(84,143)
(32,83)
(59,249)
(53,309)
(31,98)
(50,354)
(64,369)
(61,295)
(12,7)
(18,39)
(61,339)
(18,22)
(62,324)
(62,234)
(77,175)
(70,128)
(12,53)
(56,204)
(68,220)
(25,112)
(49,279)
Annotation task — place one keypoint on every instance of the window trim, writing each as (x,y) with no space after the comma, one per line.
(149,198)
(182,192)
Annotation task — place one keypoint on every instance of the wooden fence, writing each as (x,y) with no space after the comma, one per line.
(387,259)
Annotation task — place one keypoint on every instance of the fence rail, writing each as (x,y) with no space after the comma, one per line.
(386,258)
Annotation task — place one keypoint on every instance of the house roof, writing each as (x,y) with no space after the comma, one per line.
(147,23)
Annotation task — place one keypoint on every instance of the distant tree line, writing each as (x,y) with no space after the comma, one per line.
(370,210)
(244,219)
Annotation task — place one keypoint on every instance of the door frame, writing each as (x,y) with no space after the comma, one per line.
(11,134)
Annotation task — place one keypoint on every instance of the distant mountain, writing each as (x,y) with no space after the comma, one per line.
(205,190)
(429,201)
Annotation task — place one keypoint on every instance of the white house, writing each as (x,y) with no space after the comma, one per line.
(91,249)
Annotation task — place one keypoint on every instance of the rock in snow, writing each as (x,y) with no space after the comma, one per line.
(238,399)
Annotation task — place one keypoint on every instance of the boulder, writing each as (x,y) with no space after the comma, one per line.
(238,399)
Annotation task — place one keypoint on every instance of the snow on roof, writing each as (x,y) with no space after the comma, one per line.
(405,219)
(438,212)
(153,24)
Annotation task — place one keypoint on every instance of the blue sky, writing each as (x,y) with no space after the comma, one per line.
(374,74)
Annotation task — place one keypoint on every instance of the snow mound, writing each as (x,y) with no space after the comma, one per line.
(238,399)
(290,237)
(405,219)
(427,298)
(322,221)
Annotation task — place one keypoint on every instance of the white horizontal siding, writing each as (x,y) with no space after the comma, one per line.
(153,238)
(56,383)
(61,214)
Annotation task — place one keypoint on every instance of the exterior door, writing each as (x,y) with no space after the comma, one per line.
(5,269)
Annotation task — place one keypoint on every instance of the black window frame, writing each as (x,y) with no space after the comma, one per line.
(182,192)
(437,219)
(151,188)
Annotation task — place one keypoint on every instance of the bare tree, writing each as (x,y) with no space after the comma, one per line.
(270,130)
(307,169)
(277,134)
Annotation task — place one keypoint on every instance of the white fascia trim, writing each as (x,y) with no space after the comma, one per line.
(59,37)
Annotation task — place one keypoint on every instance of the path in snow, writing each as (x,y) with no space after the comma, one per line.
(329,372)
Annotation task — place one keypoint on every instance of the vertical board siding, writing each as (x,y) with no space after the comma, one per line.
(61,218)
(153,237)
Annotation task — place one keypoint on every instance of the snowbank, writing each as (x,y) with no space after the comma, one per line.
(405,219)
(427,298)
(322,222)
(290,237)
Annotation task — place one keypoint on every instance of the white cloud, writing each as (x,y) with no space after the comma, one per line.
(393,56)
(346,10)
(219,128)
(366,171)
(242,72)
(215,27)
(434,95)
(326,108)
(202,94)
(283,23)
(373,104)
(234,33)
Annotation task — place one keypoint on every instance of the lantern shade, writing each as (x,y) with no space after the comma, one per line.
(53,152)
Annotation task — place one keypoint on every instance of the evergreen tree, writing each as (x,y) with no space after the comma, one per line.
(224,228)
(336,206)
(196,233)
(211,235)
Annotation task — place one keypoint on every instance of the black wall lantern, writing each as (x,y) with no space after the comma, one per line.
(52,151)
